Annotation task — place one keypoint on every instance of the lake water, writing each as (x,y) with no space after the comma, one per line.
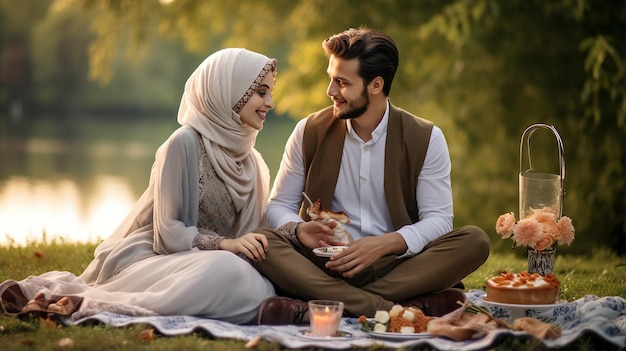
(77,185)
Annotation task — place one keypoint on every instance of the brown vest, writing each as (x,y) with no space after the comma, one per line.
(407,141)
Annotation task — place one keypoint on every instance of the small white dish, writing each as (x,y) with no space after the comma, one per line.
(510,312)
(328,251)
(537,307)
(341,335)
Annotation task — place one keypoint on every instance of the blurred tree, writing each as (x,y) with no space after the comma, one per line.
(148,78)
(15,58)
(59,57)
(559,63)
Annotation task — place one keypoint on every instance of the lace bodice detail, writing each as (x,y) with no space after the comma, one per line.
(217,215)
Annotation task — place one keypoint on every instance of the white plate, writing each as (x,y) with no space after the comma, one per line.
(307,335)
(510,312)
(328,251)
(399,336)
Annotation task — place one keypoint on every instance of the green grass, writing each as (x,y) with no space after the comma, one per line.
(600,273)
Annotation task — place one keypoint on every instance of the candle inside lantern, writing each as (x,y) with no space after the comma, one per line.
(325,317)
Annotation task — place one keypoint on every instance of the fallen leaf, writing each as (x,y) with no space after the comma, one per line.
(146,334)
(48,323)
(66,342)
(254,342)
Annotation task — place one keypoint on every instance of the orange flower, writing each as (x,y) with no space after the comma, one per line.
(527,232)
(543,243)
(505,224)
(544,215)
(566,229)
(541,230)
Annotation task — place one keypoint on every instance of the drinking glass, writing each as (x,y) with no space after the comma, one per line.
(325,317)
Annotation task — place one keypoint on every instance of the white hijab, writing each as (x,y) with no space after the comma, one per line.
(224,80)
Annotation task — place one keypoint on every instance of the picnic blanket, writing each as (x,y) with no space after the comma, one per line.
(604,316)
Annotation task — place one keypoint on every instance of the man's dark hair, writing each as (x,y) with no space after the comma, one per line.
(376,51)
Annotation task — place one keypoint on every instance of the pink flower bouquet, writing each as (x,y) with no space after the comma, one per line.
(540,231)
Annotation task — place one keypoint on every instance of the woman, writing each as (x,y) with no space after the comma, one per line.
(185,246)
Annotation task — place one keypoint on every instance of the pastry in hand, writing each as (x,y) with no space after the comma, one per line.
(317,213)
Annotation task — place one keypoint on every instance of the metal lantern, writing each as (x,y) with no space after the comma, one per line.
(537,189)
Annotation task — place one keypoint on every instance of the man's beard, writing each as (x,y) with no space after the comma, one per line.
(356,108)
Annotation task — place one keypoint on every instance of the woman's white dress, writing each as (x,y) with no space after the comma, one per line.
(163,258)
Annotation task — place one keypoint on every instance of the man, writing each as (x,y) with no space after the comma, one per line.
(389,171)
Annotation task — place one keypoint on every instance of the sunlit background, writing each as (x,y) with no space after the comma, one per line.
(75,191)
(34,210)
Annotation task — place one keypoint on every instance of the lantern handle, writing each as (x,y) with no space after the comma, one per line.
(530,131)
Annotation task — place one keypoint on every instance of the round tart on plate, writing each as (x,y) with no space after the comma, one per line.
(523,288)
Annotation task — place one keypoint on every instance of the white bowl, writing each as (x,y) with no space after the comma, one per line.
(509,312)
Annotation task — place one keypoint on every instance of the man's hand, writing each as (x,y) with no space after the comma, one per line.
(317,234)
(253,245)
(364,252)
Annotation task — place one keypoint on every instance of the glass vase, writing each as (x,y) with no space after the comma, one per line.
(538,189)
(541,262)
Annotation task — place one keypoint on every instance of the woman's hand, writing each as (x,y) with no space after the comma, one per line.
(253,245)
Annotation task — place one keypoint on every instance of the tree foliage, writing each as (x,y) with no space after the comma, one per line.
(483,70)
